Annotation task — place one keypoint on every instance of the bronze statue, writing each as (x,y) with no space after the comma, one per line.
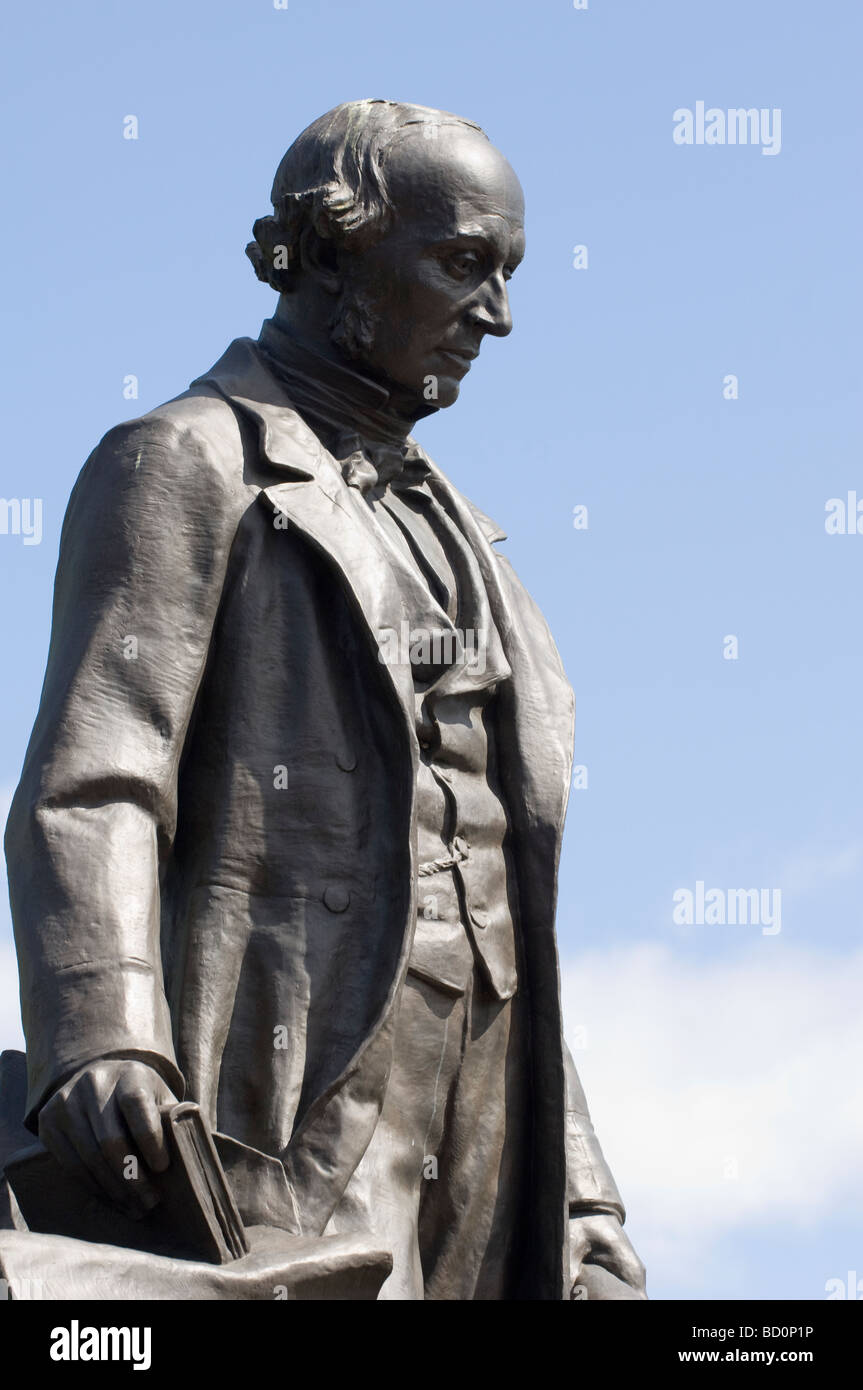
(286,838)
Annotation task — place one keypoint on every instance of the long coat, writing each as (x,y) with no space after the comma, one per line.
(212,849)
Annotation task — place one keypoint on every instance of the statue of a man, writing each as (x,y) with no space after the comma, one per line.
(287,834)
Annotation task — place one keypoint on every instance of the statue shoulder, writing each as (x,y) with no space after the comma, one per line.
(187,453)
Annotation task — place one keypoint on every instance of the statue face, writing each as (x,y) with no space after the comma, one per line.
(436,283)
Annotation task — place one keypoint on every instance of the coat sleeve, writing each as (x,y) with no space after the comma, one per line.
(143,556)
(589,1184)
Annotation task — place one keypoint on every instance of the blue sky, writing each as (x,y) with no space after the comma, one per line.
(719,1060)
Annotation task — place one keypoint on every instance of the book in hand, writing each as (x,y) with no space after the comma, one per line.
(196,1218)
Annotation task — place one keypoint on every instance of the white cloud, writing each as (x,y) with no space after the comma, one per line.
(10,1014)
(724,1092)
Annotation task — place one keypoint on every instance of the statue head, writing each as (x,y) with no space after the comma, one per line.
(395,229)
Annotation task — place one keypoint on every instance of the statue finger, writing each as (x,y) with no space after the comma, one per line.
(144,1121)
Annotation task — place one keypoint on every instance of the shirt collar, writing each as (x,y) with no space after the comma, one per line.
(353,412)
(330,394)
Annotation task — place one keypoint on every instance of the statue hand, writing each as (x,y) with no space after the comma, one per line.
(597,1238)
(104,1126)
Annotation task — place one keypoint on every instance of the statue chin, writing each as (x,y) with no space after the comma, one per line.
(447,393)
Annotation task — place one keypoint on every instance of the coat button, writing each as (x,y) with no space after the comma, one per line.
(346,759)
(479,917)
(336,898)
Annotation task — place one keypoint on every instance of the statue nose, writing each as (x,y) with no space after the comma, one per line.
(493,315)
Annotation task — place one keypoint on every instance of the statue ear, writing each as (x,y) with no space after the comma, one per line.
(319,258)
(269,255)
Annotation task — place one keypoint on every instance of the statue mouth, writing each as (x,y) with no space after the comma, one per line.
(462,358)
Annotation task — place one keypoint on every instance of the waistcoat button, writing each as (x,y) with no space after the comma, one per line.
(336,898)
(479,918)
(346,759)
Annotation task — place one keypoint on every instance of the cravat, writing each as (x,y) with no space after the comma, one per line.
(368,464)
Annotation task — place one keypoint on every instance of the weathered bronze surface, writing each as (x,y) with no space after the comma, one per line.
(287,834)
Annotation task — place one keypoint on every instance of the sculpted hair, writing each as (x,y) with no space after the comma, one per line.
(332,181)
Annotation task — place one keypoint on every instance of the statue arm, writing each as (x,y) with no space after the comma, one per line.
(590,1185)
(602,1262)
(143,555)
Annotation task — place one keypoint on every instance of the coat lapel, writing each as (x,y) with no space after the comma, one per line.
(316,500)
(542,707)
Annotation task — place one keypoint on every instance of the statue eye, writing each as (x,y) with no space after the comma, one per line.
(463,263)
